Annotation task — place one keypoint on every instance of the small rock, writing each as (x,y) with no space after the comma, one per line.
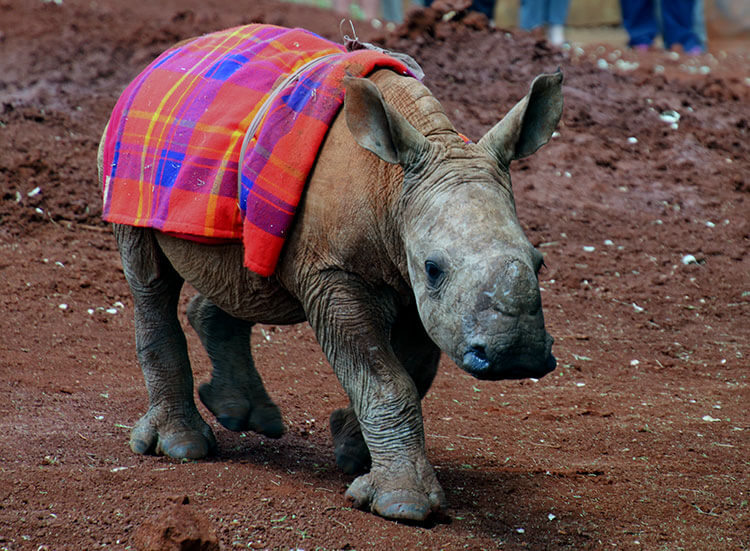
(689,259)
(670,117)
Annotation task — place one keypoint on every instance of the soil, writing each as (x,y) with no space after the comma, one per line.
(639,439)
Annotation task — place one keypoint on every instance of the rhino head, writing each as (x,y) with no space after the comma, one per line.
(472,269)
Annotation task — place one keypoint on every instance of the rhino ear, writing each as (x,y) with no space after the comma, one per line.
(378,127)
(531,122)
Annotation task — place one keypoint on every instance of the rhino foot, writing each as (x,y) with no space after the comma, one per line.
(352,455)
(236,413)
(403,491)
(187,438)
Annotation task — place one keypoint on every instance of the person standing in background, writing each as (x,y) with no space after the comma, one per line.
(370,8)
(640,19)
(487,7)
(393,10)
(549,13)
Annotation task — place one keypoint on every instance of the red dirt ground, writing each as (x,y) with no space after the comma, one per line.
(639,440)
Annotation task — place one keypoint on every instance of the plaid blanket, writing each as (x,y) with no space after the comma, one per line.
(172,148)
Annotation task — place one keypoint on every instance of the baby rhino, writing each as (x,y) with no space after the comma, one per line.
(406,243)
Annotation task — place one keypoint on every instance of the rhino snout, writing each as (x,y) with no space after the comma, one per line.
(509,362)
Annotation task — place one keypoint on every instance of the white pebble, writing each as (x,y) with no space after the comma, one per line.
(111,310)
(710,224)
(637,308)
(609,242)
(689,259)
(63,306)
(589,249)
(580,384)
(520,530)
(602,63)
(626,65)
(710,419)
(632,139)
(551,517)
(36,191)
(670,116)
(90,311)
(634,362)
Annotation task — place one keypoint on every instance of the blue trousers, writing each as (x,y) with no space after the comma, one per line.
(639,19)
(535,13)
(487,7)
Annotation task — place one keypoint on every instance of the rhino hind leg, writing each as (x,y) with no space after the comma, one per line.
(235,394)
(349,448)
(172,424)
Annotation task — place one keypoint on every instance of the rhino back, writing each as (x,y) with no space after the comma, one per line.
(347,221)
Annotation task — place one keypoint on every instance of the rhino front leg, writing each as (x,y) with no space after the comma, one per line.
(172,424)
(419,356)
(235,395)
(353,326)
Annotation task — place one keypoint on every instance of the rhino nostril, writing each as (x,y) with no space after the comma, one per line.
(475,359)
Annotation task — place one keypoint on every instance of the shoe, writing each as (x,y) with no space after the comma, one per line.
(556,35)
(695,50)
(641,47)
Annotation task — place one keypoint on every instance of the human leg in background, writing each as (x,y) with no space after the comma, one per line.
(557,16)
(552,13)
(393,10)
(699,23)
(341,7)
(639,20)
(370,8)
(677,24)
(532,14)
(487,7)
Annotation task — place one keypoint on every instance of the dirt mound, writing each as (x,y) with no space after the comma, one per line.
(639,203)
(177,527)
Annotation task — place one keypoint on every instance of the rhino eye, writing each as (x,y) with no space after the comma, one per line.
(435,273)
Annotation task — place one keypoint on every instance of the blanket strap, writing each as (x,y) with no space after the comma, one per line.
(260,115)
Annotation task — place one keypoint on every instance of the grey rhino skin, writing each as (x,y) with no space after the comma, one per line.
(406,243)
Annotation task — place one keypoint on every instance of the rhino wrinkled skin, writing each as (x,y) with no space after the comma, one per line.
(406,243)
